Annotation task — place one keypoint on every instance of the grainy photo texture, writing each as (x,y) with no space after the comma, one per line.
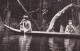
(39,25)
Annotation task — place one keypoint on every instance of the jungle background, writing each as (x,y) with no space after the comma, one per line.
(40,14)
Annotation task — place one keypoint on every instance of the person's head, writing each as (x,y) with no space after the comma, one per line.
(25,17)
(70,22)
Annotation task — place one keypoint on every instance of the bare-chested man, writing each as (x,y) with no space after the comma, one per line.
(25,40)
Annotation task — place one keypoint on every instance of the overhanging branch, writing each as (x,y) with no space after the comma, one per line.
(57,16)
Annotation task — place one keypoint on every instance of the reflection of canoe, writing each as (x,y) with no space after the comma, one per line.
(10,38)
(10,43)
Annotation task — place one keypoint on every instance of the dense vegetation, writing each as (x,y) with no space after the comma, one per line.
(40,13)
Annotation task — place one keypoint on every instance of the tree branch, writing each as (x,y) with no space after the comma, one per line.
(22,6)
(33,11)
(57,16)
(28,13)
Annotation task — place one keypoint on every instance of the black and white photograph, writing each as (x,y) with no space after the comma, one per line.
(39,25)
